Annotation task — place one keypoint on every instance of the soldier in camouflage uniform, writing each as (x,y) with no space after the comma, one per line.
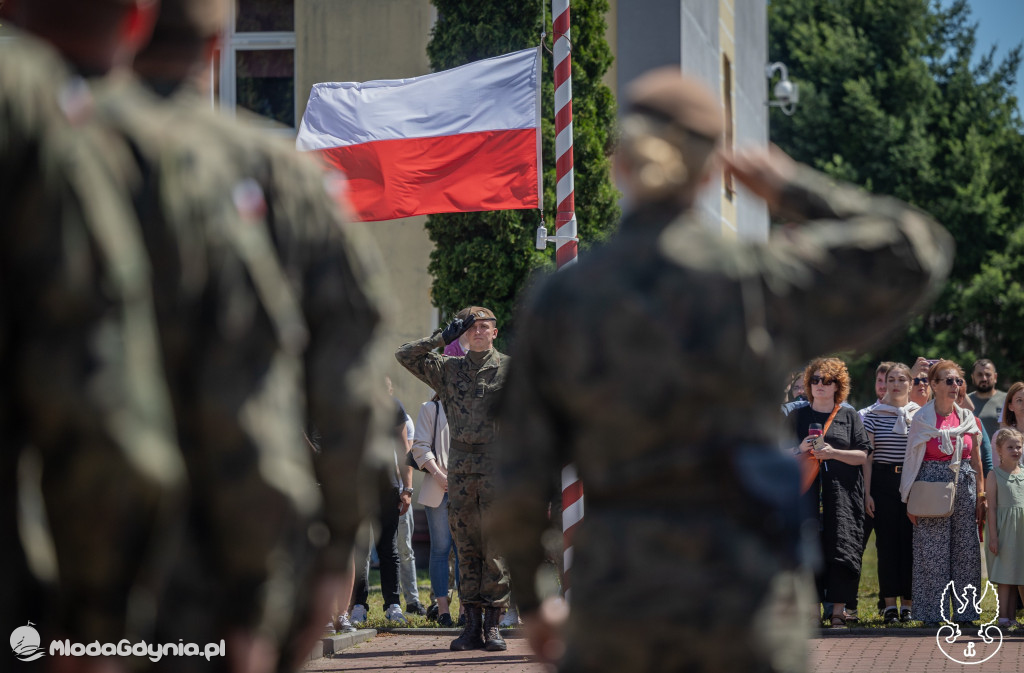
(653,365)
(468,387)
(81,391)
(334,274)
(232,340)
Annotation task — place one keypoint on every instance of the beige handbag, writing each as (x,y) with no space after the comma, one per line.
(934,499)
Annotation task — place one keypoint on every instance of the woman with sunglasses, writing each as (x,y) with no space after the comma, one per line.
(945,548)
(920,391)
(839,482)
(888,426)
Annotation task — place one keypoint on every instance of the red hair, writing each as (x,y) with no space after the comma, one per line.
(830,368)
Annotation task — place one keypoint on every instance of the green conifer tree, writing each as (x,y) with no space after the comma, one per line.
(893,98)
(487,257)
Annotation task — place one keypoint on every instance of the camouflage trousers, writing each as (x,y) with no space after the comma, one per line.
(483,578)
(705,597)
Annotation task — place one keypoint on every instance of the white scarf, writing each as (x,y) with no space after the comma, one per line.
(902,414)
(922,430)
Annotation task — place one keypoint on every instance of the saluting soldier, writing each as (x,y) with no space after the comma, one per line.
(468,387)
(653,365)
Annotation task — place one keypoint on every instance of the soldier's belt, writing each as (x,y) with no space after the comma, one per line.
(470,448)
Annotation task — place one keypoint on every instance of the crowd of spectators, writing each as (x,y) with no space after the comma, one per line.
(859,469)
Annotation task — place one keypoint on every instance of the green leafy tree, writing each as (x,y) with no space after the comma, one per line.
(890,100)
(487,257)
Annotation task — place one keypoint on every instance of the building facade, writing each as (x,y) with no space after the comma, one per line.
(724,43)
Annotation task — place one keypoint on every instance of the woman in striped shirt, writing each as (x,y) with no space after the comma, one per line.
(888,425)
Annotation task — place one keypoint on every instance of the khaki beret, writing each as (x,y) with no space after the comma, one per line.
(668,94)
(480,312)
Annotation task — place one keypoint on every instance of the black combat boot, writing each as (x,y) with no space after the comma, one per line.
(471,637)
(492,634)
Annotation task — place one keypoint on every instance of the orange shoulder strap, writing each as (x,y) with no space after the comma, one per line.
(810,465)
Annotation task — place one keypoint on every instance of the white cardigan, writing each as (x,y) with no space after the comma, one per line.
(423,449)
(923,429)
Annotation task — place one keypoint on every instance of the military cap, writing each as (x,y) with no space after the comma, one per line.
(480,312)
(668,94)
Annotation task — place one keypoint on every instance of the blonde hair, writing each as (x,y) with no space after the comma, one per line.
(1004,434)
(661,159)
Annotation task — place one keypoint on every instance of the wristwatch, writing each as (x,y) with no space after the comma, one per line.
(408,489)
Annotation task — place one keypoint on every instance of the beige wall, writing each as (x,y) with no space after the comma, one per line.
(359,40)
(611,34)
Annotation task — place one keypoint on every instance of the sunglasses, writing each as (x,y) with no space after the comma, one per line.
(822,380)
(950,381)
(919,381)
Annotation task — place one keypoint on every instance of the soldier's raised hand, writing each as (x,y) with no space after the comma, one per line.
(457,328)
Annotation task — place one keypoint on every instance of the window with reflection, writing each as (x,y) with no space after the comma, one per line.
(255,68)
(265,83)
(262,16)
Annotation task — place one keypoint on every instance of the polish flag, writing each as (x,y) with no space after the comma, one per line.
(455,141)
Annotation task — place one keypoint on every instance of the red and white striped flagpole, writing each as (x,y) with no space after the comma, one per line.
(565,221)
(565,239)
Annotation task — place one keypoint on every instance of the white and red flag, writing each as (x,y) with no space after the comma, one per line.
(455,141)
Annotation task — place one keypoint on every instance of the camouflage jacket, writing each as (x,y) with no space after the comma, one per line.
(468,387)
(80,379)
(336,275)
(654,363)
(232,338)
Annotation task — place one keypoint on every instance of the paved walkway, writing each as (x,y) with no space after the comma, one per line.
(915,653)
(388,653)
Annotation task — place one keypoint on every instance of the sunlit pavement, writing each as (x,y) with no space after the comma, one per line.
(909,652)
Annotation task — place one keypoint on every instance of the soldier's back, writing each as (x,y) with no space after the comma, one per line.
(652,365)
(81,383)
(336,276)
(232,337)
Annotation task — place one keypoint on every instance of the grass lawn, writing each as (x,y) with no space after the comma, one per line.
(867,599)
(376,620)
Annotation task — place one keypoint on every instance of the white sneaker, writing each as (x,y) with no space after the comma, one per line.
(358,615)
(511,618)
(394,614)
(329,627)
(344,625)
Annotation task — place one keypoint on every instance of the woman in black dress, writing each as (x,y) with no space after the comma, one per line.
(840,481)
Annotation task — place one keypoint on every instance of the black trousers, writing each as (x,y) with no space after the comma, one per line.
(869,525)
(387,553)
(894,534)
(837,584)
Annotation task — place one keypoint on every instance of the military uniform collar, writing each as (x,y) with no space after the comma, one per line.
(478,360)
